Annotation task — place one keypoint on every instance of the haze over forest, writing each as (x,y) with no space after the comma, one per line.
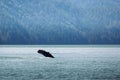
(59,21)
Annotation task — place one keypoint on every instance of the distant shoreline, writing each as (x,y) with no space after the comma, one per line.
(60,45)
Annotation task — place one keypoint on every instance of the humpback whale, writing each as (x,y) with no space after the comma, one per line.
(45,53)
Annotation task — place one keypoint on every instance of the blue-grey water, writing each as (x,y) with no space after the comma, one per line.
(70,63)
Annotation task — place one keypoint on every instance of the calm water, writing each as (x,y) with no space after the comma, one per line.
(70,63)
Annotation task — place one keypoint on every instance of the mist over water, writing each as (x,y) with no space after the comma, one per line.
(70,63)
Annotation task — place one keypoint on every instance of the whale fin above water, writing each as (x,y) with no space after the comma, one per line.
(45,53)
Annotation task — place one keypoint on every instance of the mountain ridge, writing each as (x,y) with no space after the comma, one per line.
(59,22)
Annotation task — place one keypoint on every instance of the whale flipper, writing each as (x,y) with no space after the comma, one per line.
(45,53)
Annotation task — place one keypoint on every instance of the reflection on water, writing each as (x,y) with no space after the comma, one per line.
(77,63)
